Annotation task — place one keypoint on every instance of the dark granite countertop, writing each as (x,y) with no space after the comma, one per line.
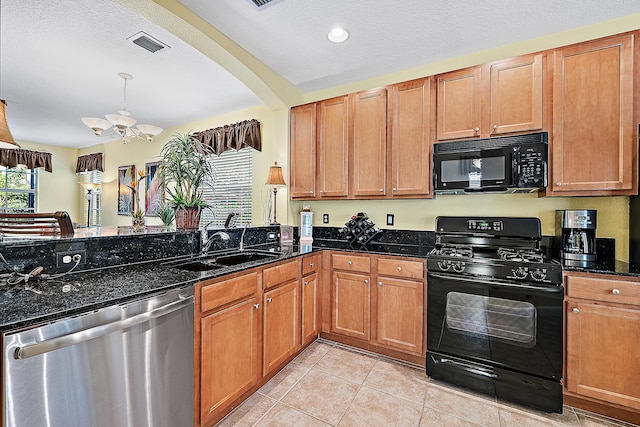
(88,290)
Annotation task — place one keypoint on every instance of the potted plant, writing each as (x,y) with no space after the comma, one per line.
(184,171)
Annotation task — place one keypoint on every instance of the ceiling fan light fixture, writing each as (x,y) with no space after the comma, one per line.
(121,124)
(338,35)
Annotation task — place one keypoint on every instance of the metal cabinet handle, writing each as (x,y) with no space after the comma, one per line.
(306,282)
(575,310)
(381,190)
(312,265)
(495,127)
(559,184)
(616,291)
(366,281)
(269,299)
(394,189)
(399,268)
(256,306)
(379,283)
(476,130)
(349,262)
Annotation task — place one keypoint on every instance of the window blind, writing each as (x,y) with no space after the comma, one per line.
(231,189)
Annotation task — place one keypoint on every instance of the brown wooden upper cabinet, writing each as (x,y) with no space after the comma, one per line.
(303,151)
(594,133)
(333,144)
(492,99)
(368,165)
(411,105)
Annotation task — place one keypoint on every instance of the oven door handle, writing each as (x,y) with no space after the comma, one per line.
(497,282)
(474,369)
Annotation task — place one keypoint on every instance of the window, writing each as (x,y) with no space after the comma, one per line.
(231,190)
(18,189)
(96,198)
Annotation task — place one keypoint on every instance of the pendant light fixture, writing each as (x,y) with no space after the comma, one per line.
(122,124)
(6,139)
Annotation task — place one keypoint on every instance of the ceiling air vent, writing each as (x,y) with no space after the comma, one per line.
(261,3)
(147,42)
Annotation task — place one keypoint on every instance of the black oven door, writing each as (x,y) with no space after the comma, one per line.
(481,170)
(506,324)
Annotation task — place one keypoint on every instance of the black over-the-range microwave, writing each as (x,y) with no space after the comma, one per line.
(510,164)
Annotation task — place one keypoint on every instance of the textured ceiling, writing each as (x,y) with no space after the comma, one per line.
(290,36)
(59,60)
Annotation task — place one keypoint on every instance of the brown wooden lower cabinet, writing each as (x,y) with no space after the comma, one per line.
(351,304)
(400,314)
(229,340)
(602,335)
(310,308)
(382,309)
(281,329)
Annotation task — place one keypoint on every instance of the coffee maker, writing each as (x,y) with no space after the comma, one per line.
(576,231)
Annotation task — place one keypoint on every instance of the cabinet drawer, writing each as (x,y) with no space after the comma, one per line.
(226,291)
(400,268)
(280,273)
(350,262)
(310,264)
(603,289)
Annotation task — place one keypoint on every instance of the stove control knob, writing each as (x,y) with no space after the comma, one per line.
(539,274)
(459,266)
(520,272)
(444,265)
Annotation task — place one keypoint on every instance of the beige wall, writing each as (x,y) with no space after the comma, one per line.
(58,191)
(409,214)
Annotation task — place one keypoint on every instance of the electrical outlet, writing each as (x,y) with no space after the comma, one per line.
(65,259)
(325,218)
(390,219)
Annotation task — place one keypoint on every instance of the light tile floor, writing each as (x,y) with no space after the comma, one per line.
(334,385)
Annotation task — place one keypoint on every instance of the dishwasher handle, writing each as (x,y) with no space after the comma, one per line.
(73,338)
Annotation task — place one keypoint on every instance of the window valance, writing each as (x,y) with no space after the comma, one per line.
(12,157)
(232,137)
(90,162)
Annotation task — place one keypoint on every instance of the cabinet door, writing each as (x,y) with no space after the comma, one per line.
(351,305)
(516,95)
(303,152)
(369,159)
(230,363)
(333,147)
(310,324)
(459,104)
(594,132)
(603,360)
(400,314)
(280,326)
(411,138)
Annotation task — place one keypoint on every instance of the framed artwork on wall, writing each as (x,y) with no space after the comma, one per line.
(153,189)
(126,175)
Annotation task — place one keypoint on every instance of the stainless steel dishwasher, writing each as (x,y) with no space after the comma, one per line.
(128,365)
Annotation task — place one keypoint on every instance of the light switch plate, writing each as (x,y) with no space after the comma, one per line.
(325,218)
(390,219)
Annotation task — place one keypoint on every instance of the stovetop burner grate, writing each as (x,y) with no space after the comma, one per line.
(524,255)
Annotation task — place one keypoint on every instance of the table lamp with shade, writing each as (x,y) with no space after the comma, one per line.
(275,178)
(89,186)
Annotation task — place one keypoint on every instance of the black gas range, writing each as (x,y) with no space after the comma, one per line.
(498,248)
(494,310)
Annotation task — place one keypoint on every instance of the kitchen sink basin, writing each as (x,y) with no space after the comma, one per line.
(224,260)
(239,258)
(198,266)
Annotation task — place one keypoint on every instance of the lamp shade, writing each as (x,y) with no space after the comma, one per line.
(275,175)
(6,139)
(89,186)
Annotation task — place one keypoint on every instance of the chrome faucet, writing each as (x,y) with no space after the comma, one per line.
(244,230)
(206,244)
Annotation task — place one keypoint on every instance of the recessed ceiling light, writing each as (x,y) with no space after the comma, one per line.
(338,35)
